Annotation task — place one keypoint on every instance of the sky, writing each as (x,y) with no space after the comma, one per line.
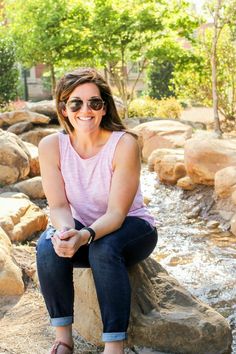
(198,4)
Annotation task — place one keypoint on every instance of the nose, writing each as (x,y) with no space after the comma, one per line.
(85,107)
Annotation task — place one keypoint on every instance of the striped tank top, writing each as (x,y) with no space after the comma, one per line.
(87,181)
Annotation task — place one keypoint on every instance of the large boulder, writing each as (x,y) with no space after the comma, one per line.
(34,159)
(204,157)
(161,134)
(32,187)
(225,182)
(11,282)
(46,107)
(158,154)
(170,169)
(164,316)
(34,136)
(21,127)
(10,118)
(20,218)
(168,164)
(14,158)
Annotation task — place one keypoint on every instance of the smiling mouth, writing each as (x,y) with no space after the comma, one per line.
(85,118)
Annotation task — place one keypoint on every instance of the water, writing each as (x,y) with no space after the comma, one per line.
(201,259)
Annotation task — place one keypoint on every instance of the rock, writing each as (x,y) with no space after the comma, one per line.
(34,159)
(168,165)
(25,258)
(131,122)
(186,183)
(164,316)
(20,218)
(10,118)
(225,182)
(46,107)
(31,187)
(194,213)
(170,169)
(233,225)
(13,194)
(157,155)
(21,127)
(161,134)
(233,197)
(34,136)
(225,208)
(14,158)
(204,157)
(212,224)
(11,282)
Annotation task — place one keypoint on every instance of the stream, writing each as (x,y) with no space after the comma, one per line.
(202,259)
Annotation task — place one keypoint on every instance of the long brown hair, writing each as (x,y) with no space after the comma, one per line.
(111,120)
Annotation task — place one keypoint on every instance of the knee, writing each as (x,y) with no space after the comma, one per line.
(103,251)
(44,246)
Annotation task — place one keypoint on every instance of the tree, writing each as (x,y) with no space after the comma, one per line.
(9,73)
(121,33)
(160,76)
(194,79)
(46,31)
(126,34)
(220,11)
(169,50)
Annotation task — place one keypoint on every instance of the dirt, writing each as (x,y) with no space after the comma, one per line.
(24,322)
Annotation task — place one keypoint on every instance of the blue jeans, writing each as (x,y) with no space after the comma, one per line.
(108,258)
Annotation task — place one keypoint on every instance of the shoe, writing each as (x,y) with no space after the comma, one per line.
(66,348)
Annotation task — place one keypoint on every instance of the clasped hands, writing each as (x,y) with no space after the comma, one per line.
(66,242)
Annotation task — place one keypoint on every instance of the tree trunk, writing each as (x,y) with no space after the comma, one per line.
(53,80)
(214,71)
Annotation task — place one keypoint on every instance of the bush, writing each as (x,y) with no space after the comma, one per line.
(143,107)
(169,108)
(9,74)
(151,107)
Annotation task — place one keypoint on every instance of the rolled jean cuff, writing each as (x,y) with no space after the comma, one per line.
(61,321)
(113,337)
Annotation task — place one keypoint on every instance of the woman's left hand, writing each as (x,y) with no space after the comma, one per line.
(66,243)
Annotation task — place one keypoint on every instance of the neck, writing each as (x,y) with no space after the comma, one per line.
(88,145)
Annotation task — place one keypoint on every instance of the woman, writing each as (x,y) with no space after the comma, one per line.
(90,175)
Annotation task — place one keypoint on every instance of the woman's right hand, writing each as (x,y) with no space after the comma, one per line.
(67,242)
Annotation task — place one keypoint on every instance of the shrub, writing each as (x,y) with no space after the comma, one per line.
(9,74)
(151,107)
(169,108)
(143,107)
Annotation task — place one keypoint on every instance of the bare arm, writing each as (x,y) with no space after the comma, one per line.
(125,182)
(53,185)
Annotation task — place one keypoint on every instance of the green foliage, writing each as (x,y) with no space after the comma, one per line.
(151,107)
(109,34)
(143,107)
(9,74)
(194,79)
(48,31)
(160,76)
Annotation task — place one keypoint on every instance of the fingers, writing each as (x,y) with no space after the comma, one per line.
(67,245)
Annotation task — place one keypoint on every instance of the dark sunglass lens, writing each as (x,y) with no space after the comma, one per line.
(74,105)
(96,104)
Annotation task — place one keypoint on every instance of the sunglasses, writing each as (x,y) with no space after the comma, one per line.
(93,103)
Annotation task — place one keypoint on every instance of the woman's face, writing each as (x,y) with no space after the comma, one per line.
(85,108)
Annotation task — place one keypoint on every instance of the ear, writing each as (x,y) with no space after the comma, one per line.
(64,110)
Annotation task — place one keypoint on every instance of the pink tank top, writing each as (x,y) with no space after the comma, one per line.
(88,181)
